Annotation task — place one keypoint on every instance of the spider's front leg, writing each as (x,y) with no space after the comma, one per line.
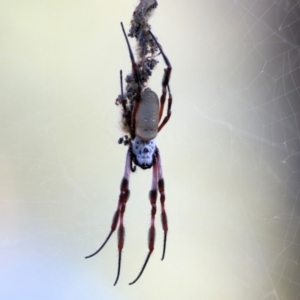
(161,188)
(119,214)
(157,181)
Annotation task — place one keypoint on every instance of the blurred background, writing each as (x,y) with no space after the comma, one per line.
(230,152)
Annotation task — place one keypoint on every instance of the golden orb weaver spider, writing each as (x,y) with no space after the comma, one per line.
(143,121)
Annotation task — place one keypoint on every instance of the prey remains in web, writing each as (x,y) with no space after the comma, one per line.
(142,120)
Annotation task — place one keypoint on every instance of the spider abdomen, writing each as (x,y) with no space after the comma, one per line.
(147,116)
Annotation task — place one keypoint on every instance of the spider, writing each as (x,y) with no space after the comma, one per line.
(144,121)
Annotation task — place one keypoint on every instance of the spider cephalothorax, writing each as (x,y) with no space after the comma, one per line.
(142,120)
(143,152)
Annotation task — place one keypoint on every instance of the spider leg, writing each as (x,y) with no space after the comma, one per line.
(123,100)
(135,72)
(165,86)
(161,189)
(119,214)
(151,235)
(167,117)
(162,103)
(126,114)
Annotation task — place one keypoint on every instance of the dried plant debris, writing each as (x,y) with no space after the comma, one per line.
(140,28)
(145,58)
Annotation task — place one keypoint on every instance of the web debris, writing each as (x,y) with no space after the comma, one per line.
(146,52)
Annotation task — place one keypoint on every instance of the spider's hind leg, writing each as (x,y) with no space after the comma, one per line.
(136,76)
(165,87)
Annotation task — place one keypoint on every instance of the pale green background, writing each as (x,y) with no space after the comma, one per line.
(231,197)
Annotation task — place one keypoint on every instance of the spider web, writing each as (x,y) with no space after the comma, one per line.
(230,152)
